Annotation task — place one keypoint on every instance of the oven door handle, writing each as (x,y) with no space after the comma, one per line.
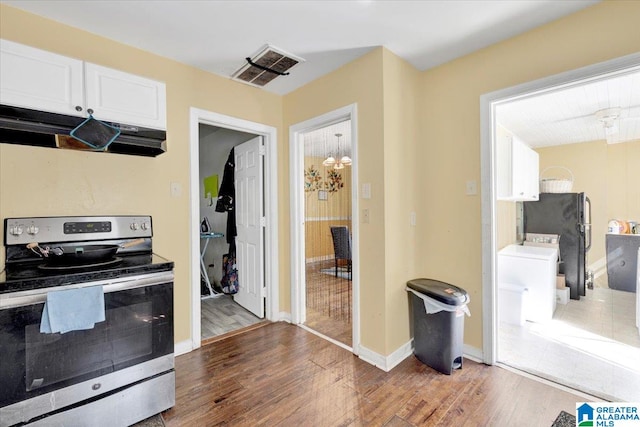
(39,296)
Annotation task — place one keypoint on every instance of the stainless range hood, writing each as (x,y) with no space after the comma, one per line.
(38,128)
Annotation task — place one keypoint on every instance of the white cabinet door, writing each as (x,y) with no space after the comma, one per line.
(517,170)
(532,181)
(125,98)
(40,80)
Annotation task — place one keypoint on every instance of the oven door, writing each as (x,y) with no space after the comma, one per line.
(133,343)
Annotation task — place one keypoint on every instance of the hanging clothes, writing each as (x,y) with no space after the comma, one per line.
(226,201)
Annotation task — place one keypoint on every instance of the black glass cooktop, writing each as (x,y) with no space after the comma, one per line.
(39,275)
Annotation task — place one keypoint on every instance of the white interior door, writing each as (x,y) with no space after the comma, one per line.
(249,241)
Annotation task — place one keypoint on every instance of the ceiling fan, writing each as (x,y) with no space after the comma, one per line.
(610,118)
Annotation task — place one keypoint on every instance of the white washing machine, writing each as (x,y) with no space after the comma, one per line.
(535,269)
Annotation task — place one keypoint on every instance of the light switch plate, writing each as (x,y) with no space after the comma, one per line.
(176,189)
(366,190)
(472,188)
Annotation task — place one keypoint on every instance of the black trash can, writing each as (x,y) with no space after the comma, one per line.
(438,323)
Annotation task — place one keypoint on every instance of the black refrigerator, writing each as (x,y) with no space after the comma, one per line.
(569,216)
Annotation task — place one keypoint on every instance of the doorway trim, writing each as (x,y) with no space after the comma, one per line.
(488,103)
(271,270)
(296,148)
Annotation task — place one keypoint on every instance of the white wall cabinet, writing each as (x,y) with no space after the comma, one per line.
(517,170)
(44,81)
(40,80)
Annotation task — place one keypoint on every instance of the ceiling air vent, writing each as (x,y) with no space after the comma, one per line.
(269,63)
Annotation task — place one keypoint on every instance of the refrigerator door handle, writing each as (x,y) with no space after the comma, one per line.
(587,224)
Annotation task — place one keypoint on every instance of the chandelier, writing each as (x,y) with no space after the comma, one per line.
(337,164)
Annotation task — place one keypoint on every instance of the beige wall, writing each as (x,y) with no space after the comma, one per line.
(610,175)
(449,143)
(418,136)
(358,82)
(402,190)
(43,181)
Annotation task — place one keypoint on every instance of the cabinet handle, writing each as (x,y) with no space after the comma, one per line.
(78,108)
(90,110)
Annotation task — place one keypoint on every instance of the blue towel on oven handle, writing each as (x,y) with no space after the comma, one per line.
(73,310)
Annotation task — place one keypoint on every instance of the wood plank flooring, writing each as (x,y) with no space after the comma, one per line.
(328,302)
(221,315)
(282,375)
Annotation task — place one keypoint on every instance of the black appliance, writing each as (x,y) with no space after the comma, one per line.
(569,216)
(117,373)
(622,261)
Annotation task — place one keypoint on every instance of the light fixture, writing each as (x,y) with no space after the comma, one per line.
(337,164)
(609,119)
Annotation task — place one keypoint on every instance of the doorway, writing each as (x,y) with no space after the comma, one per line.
(325,297)
(327,231)
(569,362)
(266,210)
(226,307)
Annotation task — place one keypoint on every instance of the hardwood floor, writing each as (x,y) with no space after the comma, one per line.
(282,375)
(221,315)
(328,302)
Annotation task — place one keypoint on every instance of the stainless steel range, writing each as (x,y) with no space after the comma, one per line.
(86,322)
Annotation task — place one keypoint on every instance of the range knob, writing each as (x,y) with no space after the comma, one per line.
(33,230)
(146,225)
(16,230)
(134,226)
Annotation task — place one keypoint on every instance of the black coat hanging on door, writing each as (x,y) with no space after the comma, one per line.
(226,201)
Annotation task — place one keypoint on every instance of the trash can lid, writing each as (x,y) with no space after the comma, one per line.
(440,291)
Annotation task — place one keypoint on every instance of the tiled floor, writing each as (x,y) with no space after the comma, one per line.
(221,315)
(591,345)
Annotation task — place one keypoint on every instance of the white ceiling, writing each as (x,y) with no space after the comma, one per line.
(217,35)
(568,115)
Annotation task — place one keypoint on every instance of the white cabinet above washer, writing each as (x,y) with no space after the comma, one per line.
(517,170)
(45,81)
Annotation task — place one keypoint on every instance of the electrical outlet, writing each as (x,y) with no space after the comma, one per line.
(365,216)
(412,219)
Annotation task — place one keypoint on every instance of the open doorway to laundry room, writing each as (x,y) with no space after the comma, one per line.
(324,251)
(589,342)
(220,312)
(250,267)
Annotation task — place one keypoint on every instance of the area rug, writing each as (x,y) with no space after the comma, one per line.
(565,419)
(342,272)
(154,421)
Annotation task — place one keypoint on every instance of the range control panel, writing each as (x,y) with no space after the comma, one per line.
(22,231)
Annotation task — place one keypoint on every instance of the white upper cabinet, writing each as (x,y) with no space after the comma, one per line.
(517,170)
(40,80)
(125,98)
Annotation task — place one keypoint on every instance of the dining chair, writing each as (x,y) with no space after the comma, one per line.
(342,247)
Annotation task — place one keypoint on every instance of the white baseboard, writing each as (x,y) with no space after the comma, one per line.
(283,316)
(386,363)
(473,353)
(182,347)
